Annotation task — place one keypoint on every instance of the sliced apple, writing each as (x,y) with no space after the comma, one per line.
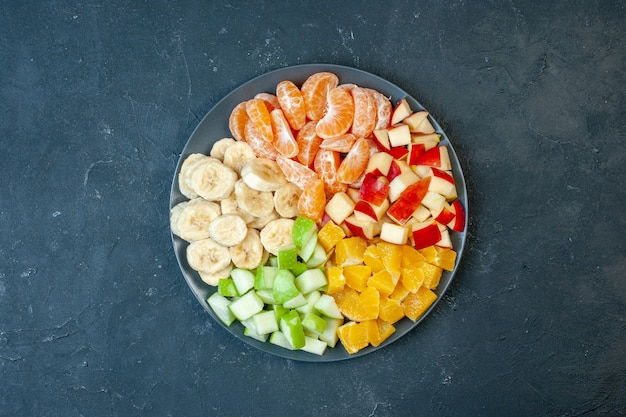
(458,224)
(381,137)
(445,241)
(445,215)
(339,207)
(437,157)
(394,233)
(394,170)
(365,229)
(425,234)
(379,163)
(374,189)
(442,183)
(415,151)
(417,191)
(401,111)
(366,211)
(430,140)
(433,201)
(353,193)
(424,127)
(415,120)
(400,183)
(399,135)
(398,152)
(402,210)
(421,214)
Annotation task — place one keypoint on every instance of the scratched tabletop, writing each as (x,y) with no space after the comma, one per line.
(97,101)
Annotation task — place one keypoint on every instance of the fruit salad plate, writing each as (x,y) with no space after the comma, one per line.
(215,126)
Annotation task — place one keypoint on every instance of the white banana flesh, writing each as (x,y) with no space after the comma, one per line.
(192,223)
(286,200)
(228,229)
(183,186)
(214,278)
(208,256)
(256,203)
(277,235)
(213,180)
(237,155)
(219,148)
(263,174)
(249,253)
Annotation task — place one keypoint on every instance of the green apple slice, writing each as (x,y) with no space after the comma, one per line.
(227,288)
(328,307)
(284,287)
(219,304)
(310,280)
(314,345)
(265,322)
(318,257)
(314,323)
(243,279)
(303,229)
(247,306)
(291,326)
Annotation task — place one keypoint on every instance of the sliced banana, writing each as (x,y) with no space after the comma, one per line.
(193,164)
(253,202)
(175,216)
(230,206)
(183,186)
(277,235)
(249,253)
(228,229)
(207,256)
(260,222)
(214,278)
(194,219)
(212,180)
(237,155)
(219,148)
(263,174)
(286,200)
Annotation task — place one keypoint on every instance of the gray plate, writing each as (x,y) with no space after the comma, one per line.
(214,126)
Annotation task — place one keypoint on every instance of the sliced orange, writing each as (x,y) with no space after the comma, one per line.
(341,143)
(339,114)
(411,257)
(399,292)
(369,301)
(373,332)
(271,101)
(349,251)
(329,235)
(261,147)
(260,116)
(284,142)
(391,256)
(383,282)
(312,201)
(315,91)
(384,331)
(295,172)
(308,144)
(237,121)
(364,112)
(383,109)
(336,279)
(292,103)
(326,165)
(348,302)
(371,258)
(356,276)
(390,310)
(415,304)
(412,278)
(353,336)
(355,162)
(432,275)
(438,256)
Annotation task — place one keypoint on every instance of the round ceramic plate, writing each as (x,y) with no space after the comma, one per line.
(214,126)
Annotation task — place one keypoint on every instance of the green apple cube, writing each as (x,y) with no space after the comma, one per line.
(314,323)
(312,279)
(318,258)
(327,306)
(244,279)
(284,287)
(219,304)
(247,306)
(311,299)
(279,339)
(227,288)
(314,345)
(264,277)
(273,261)
(295,302)
(291,326)
(266,295)
(306,251)
(280,311)
(329,335)
(303,229)
(287,258)
(299,268)
(265,322)
(254,334)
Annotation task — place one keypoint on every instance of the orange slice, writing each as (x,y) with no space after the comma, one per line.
(357,276)
(339,114)
(315,91)
(336,279)
(292,103)
(237,121)
(308,144)
(390,310)
(415,304)
(371,258)
(383,109)
(349,251)
(260,116)
(284,142)
(364,112)
(354,163)
(384,331)
(329,235)
(353,336)
(295,172)
(383,282)
(341,143)
(326,165)
(391,256)
(312,201)
(271,101)
(412,278)
(261,147)
(411,257)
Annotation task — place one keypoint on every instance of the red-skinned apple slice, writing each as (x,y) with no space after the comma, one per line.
(374,189)
(445,215)
(437,157)
(380,162)
(365,229)
(402,210)
(425,235)
(366,211)
(424,127)
(421,214)
(398,152)
(394,233)
(399,135)
(401,112)
(400,183)
(339,207)
(381,137)
(415,120)
(433,201)
(394,171)
(458,224)
(430,140)
(415,151)
(443,183)
(416,191)
(445,241)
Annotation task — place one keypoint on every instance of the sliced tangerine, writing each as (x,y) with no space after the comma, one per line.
(391,256)
(312,201)
(261,147)
(355,162)
(308,144)
(326,165)
(315,90)
(291,102)
(383,109)
(271,101)
(350,250)
(415,304)
(284,142)
(384,331)
(364,112)
(339,114)
(329,235)
(353,336)
(237,121)
(341,143)
(260,116)
(295,172)
(390,310)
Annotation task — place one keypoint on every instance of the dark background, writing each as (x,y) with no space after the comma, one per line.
(97,100)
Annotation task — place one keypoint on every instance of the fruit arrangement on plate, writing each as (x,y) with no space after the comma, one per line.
(325,219)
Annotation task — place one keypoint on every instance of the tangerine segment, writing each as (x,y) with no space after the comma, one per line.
(260,116)
(295,172)
(411,257)
(355,162)
(391,256)
(341,143)
(237,121)
(371,258)
(384,331)
(329,235)
(412,278)
(349,251)
(336,279)
(390,310)
(315,90)
(284,142)
(415,304)
(383,282)
(326,165)
(353,336)
(291,102)
(308,144)
(271,101)
(364,112)
(383,109)
(356,276)
(339,114)
(312,201)
(261,147)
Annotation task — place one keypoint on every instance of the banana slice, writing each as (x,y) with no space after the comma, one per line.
(175,216)
(193,164)
(260,222)
(286,200)
(277,235)
(212,180)
(207,256)
(228,229)
(214,278)
(219,148)
(194,219)
(263,174)
(253,202)
(249,253)
(183,186)
(237,155)
(230,206)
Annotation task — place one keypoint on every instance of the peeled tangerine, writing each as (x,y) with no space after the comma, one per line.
(375,286)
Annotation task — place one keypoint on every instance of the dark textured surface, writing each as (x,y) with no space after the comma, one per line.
(97,99)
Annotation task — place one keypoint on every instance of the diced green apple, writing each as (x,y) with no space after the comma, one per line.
(310,280)
(244,279)
(314,345)
(219,304)
(264,277)
(266,295)
(328,307)
(303,229)
(284,287)
(279,339)
(265,322)
(247,306)
(329,335)
(291,326)
(318,258)
(311,299)
(227,288)
(314,323)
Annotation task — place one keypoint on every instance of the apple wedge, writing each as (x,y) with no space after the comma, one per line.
(401,112)
(339,207)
